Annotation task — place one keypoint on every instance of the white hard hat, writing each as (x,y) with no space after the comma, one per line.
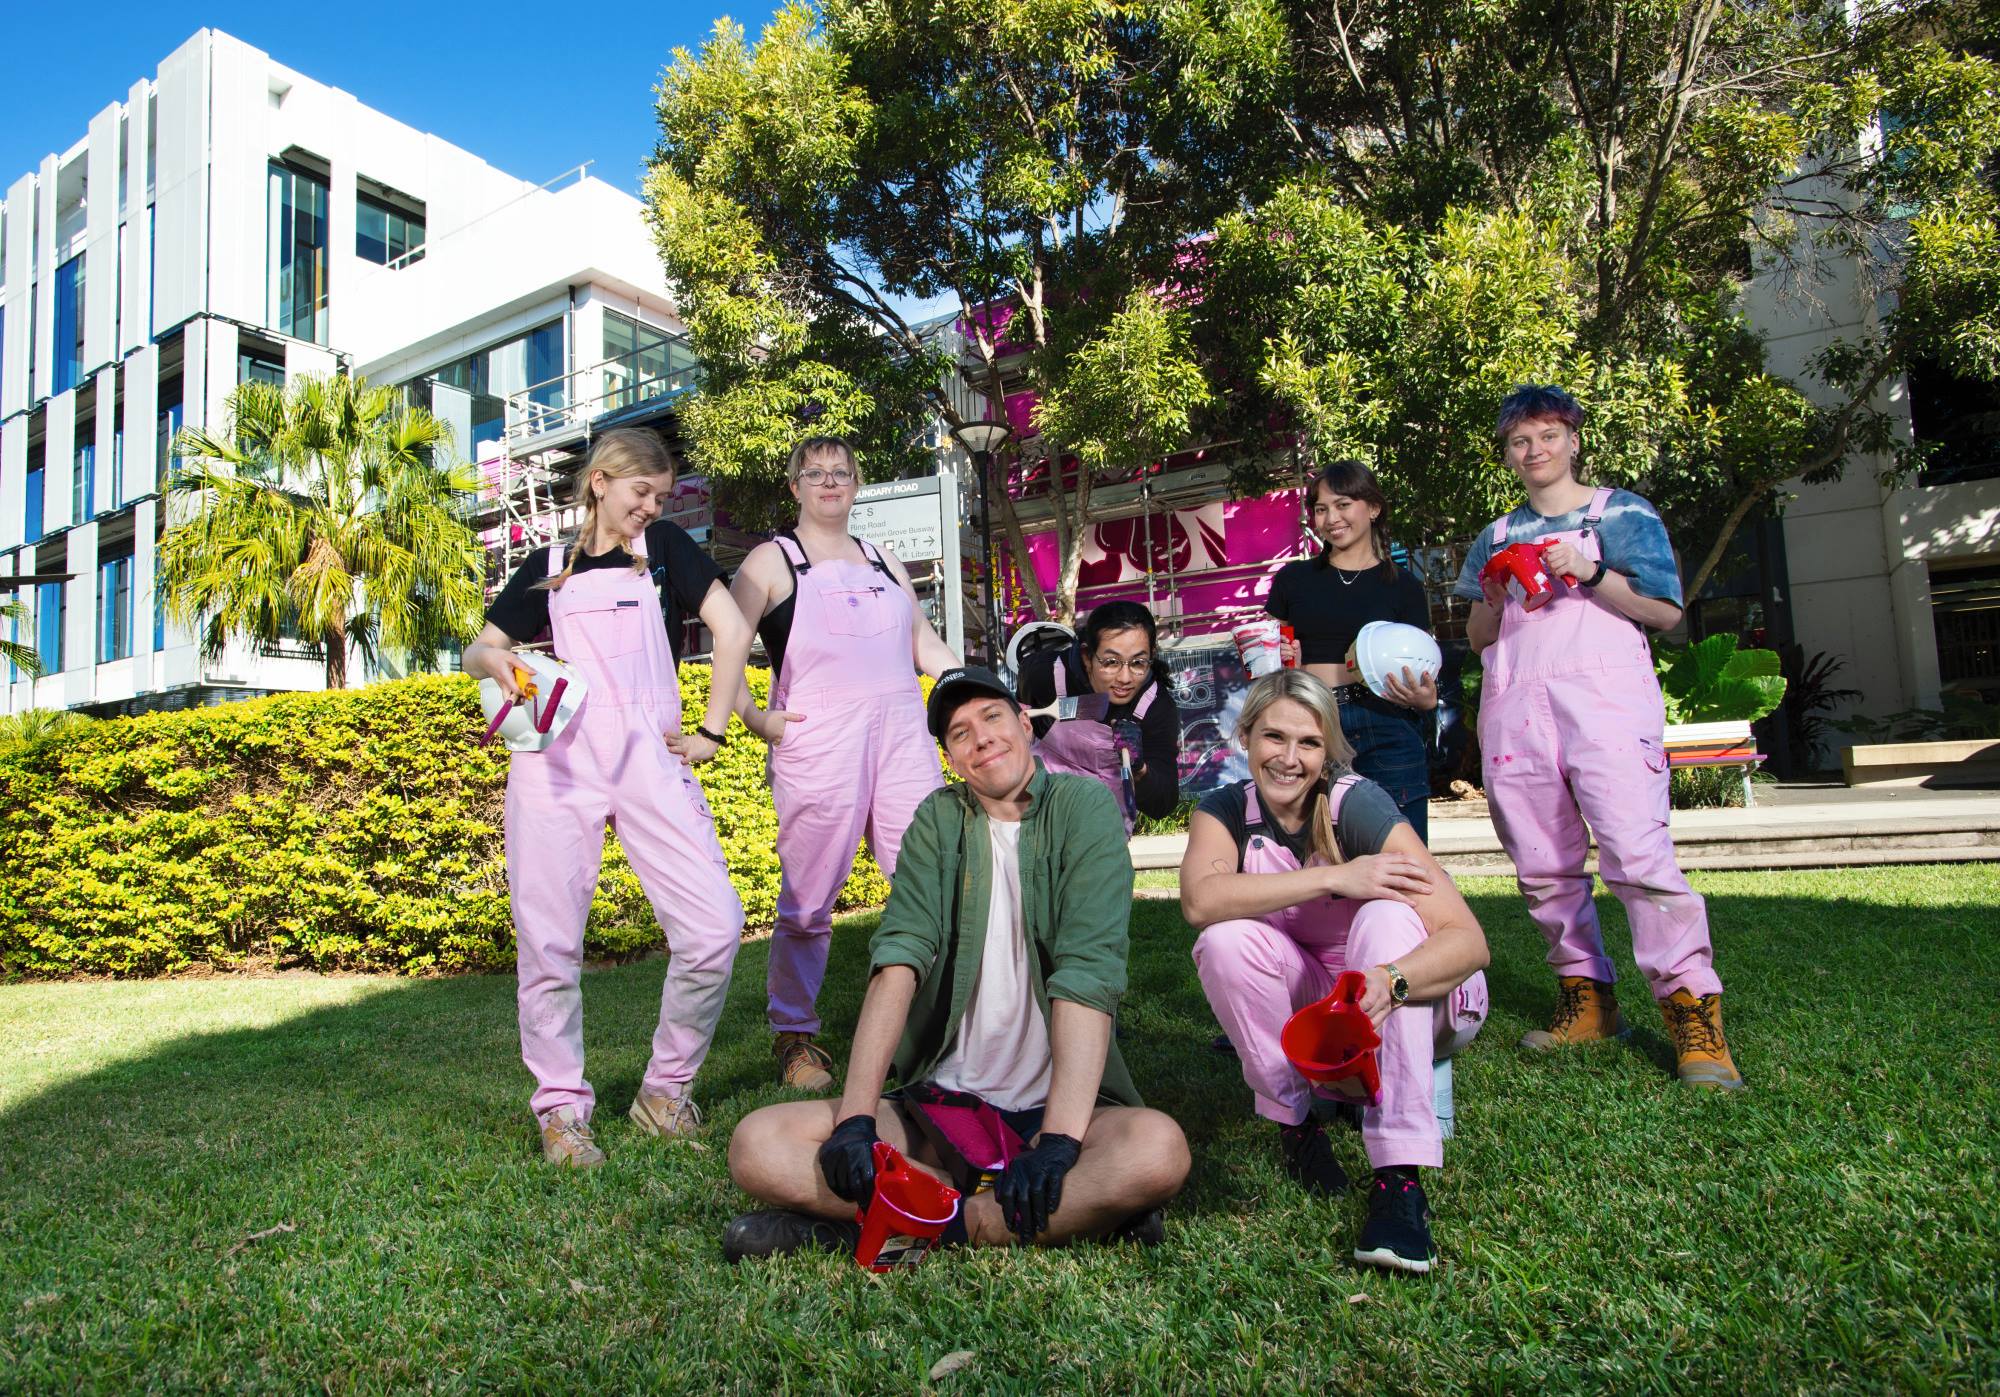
(1389,647)
(539,718)
(1034,638)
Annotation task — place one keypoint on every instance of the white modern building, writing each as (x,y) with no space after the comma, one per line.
(229,218)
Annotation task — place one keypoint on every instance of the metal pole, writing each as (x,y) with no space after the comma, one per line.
(988,563)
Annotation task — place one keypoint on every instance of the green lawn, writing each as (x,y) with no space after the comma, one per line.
(1833,1226)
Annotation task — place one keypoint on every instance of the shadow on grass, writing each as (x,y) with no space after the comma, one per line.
(429,1244)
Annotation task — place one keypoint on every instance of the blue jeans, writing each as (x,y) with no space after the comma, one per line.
(1390,750)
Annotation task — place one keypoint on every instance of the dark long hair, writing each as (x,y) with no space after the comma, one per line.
(1357,482)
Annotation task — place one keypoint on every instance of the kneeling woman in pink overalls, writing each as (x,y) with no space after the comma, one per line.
(1302,872)
(623,759)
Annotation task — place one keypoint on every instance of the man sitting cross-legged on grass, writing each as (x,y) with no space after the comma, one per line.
(996,970)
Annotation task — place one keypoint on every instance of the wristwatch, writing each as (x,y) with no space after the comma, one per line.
(1399,984)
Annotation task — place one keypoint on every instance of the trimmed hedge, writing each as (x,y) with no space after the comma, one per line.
(342,831)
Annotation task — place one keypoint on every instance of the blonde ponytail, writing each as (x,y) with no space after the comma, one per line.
(618,455)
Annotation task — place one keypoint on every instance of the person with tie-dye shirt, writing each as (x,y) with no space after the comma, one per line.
(1570,735)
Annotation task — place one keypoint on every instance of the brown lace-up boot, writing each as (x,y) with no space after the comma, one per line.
(802,1063)
(1701,1053)
(1586,1012)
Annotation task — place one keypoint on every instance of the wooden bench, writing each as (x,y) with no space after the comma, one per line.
(1714,744)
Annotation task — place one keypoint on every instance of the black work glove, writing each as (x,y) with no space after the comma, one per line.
(1029,1189)
(847,1159)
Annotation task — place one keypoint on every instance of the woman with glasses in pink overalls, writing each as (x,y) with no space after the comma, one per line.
(622,760)
(1307,870)
(1570,726)
(850,752)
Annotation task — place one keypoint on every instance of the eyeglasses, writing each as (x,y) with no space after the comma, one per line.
(819,475)
(1138,664)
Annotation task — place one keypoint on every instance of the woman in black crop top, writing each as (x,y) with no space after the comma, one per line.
(1326,601)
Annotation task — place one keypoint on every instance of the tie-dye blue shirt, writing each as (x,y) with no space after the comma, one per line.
(1630,536)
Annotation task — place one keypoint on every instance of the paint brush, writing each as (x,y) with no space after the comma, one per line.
(1063,710)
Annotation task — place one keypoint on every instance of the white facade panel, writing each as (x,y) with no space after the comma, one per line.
(135,317)
(59,463)
(108,482)
(100,248)
(142,411)
(237,164)
(16,371)
(211,409)
(13,479)
(116,681)
(145,560)
(302,358)
(180,194)
(80,626)
(45,276)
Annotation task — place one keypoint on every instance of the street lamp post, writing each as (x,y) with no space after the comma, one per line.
(981,439)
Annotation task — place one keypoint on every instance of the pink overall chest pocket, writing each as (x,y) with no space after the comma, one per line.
(858,611)
(609,630)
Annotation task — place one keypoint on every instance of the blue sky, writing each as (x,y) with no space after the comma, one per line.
(532,89)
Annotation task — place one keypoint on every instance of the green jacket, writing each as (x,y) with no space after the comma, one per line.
(1076,910)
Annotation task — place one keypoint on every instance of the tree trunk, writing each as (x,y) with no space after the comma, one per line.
(335,641)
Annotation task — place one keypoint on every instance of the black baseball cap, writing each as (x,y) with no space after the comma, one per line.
(955,686)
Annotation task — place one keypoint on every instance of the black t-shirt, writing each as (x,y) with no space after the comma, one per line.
(1367,815)
(1327,606)
(1158,790)
(680,570)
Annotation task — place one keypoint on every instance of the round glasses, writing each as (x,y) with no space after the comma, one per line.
(820,475)
(1138,664)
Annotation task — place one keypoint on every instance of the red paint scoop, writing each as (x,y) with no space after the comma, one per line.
(1332,1043)
(909,1212)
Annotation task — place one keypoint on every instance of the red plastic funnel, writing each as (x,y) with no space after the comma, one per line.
(910,1211)
(1332,1043)
(1521,565)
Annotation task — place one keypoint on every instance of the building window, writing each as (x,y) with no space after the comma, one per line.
(31,514)
(51,608)
(69,324)
(114,609)
(386,235)
(545,365)
(83,499)
(118,463)
(1965,609)
(257,366)
(297,262)
(167,429)
(641,362)
(1956,421)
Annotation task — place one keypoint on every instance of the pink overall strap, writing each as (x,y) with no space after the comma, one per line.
(555,560)
(1600,500)
(1500,531)
(1146,699)
(795,556)
(874,556)
(1061,673)
(1336,796)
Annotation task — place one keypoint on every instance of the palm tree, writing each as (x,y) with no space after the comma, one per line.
(326,510)
(23,657)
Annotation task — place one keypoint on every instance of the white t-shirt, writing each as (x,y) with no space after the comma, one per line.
(1002,1052)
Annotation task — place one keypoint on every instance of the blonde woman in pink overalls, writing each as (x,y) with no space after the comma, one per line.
(607,594)
(850,754)
(1570,724)
(1302,872)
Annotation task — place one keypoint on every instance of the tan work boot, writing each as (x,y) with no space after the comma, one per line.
(667,1117)
(566,1139)
(1701,1053)
(1586,1012)
(802,1063)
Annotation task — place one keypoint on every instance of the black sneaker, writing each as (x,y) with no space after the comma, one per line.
(1147,1229)
(1309,1158)
(779,1233)
(1221,1044)
(1397,1235)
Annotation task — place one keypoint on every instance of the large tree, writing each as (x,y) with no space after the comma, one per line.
(1481,194)
(328,510)
(1024,157)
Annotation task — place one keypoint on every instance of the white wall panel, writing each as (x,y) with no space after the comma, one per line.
(219,379)
(45,272)
(145,559)
(100,247)
(135,326)
(59,463)
(239,87)
(303,358)
(17,371)
(181,203)
(108,481)
(13,479)
(80,626)
(142,412)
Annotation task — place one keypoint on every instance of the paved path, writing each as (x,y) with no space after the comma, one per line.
(1791,826)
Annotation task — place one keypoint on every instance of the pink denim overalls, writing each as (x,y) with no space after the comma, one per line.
(1084,748)
(612,764)
(1258,972)
(862,761)
(1570,726)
